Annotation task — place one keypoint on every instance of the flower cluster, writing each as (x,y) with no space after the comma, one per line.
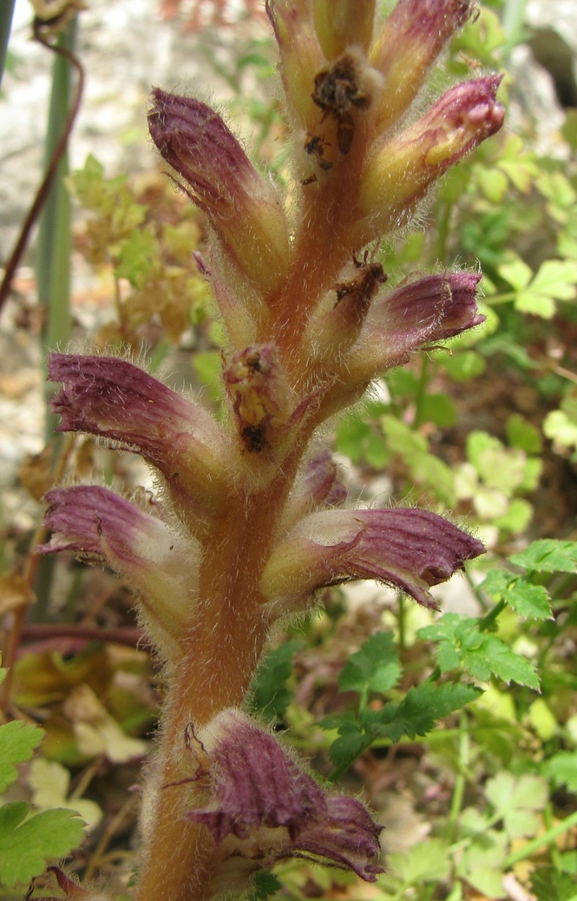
(250,521)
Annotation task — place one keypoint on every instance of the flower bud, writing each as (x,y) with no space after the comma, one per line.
(331,332)
(342,23)
(113,398)
(263,808)
(318,486)
(408,45)
(260,395)
(242,206)
(399,173)
(408,549)
(99,526)
(301,57)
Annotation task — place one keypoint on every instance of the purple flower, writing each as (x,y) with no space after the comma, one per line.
(114,399)
(263,808)
(399,172)
(99,526)
(220,179)
(409,549)
(421,312)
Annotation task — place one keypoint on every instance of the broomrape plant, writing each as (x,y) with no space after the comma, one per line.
(250,518)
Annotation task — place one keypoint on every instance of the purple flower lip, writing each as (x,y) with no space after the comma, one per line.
(99,526)
(414,315)
(194,140)
(261,801)
(409,549)
(114,399)
(218,176)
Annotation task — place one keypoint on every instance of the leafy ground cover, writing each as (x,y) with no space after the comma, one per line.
(459,728)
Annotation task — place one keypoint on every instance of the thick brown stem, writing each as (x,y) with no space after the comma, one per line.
(221,651)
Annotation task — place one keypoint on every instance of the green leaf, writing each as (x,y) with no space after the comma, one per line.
(479,653)
(561,428)
(208,366)
(427,861)
(462,366)
(517,273)
(26,845)
(562,769)
(555,280)
(507,665)
(269,695)
(548,555)
(354,436)
(548,884)
(413,448)
(17,743)
(524,435)
(421,707)
(375,667)
(346,748)
(265,884)
(137,257)
(528,600)
(516,518)
(439,409)
(517,800)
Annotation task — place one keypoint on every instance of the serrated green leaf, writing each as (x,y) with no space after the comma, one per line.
(17,743)
(480,654)
(548,555)
(269,694)
(346,748)
(421,707)
(27,845)
(375,667)
(530,601)
(507,665)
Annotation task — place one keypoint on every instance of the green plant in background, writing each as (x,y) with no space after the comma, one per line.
(155,258)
